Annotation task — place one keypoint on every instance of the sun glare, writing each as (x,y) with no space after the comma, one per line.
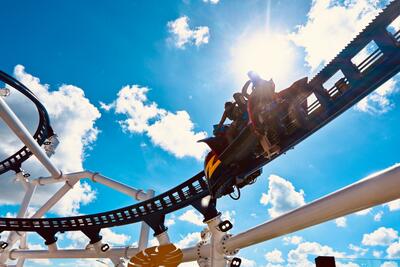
(270,55)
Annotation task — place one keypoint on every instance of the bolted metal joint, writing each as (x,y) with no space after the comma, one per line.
(235,262)
(225,226)
(4,92)
(3,245)
(227,252)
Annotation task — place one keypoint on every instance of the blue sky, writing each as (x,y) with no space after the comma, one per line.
(131,85)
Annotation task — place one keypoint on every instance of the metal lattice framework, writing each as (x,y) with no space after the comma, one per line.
(357,81)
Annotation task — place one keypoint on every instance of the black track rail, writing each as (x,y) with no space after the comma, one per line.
(330,104)
(43,130)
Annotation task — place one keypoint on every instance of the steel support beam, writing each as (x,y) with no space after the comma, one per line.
(20,130)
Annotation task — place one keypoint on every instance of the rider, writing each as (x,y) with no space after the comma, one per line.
(234,112)
(264,111)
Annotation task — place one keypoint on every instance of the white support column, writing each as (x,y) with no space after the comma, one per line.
(72,253)
(145,229)
(14,236)
(137,194)
(217,255)
(20,130)
(163,238)
(368,192)
(55,198)
(373,190)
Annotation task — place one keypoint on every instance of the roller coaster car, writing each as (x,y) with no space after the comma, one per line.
(231,165)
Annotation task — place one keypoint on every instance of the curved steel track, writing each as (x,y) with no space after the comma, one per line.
(42,132)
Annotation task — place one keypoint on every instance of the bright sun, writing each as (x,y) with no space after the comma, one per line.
(270,55)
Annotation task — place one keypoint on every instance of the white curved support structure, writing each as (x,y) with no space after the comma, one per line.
(373,190)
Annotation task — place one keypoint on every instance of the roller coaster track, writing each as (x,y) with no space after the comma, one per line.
(359,80)
(43,130)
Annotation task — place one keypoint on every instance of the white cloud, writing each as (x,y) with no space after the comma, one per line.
(281,196)
(189,240)
(80,194)
(192,216)
(173,132)
(378,216)
(359,250)
(377,253)
(347,264)
(112,238)
(229,215)
(343,18)
(393,205)
(378,102)
(183,35)
(169,222)
(73,118)
(363,212)
(389,264)
(80,240)
(247,262)
(393,250)
(214,2)
(381,237)
(294,240)
(341,222)
(106,107)
(274,256)
(299,256)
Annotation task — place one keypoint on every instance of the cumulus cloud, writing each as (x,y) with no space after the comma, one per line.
(214,2)
(189,240)
(341,222)
(377,253)
(73,118)
(378,102)
(393,250)
(172,131)
(299,256)
(183,35)
(393,205)
(248,263)
(343,18)
(359,250)
(293,240)
(274,256)
(79,240)
(381,237)
(281,196)
(81,194)
(378,216)
(192,216)
(389,264)
(363,212)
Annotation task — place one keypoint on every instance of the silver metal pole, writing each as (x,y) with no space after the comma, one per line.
(20,130)
(72,253)
(368,192)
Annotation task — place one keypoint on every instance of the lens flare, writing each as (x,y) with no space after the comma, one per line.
(270,55)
